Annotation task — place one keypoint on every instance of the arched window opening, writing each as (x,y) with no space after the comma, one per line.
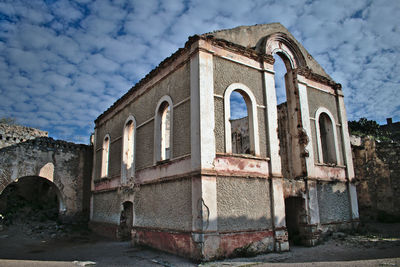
(128,156)
(327,139)
(281,66)
(241,124)
(105,156)
(280,85)
(165,132)
(163,129)
(239,120)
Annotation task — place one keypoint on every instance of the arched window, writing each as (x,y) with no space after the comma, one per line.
(238,123)
(328,150)
(128,150)
(105,156)
(163,129)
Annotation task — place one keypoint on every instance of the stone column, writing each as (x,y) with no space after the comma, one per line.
(271,119)
(278,213)
(204,188)
(310,234)
(275,169)
(305,119)
(347,157)
(94,167)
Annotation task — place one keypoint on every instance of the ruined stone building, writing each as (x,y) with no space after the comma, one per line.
(171,170)
(39,168)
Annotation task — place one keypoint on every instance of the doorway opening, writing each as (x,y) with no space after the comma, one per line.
(126,221)
(295,218)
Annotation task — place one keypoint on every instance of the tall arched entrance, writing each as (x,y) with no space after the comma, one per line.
(31,198)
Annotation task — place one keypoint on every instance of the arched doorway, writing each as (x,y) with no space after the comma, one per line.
(126,221)
(31,198)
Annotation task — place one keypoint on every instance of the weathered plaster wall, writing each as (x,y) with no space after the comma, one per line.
(243,204)
(181,128)
(177,86)
(334,203)
(106,207)
(145,146)
(317,99)
(65,164)
(377,171)
(14,134)
(114,168)
(219,129)
(226,73)
(166,205)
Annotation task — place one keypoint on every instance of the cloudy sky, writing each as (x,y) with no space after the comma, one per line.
(62,63)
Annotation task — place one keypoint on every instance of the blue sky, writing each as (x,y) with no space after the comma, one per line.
(62,63)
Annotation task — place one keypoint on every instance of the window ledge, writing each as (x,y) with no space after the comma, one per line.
(162,162)
(245,156)
(330,165)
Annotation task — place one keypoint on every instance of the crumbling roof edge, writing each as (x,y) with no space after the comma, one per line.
(249,52)
(192,39)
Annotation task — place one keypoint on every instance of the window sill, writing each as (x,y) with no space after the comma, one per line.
(332,165)
(243,156)
(162,162)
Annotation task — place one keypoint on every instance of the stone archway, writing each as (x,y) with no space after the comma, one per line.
(65,165)
(31,198)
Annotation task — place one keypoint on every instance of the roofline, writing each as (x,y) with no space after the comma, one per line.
(248,52)
(191,40)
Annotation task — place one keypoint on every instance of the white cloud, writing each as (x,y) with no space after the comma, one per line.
(62,64)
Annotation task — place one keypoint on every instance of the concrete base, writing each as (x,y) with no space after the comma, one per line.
(208,246)
(104,229)
(281,240)
(310,235)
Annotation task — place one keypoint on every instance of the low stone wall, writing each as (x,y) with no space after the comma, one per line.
(377,171)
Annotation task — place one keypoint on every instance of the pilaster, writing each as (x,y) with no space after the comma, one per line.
(347,157)
(272,121)
(204,188)
(305,118)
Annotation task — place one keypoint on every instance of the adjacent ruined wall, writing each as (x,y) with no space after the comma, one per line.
(14,134)
(377,171)
(65,164)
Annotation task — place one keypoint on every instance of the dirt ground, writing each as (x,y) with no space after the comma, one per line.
(51,244)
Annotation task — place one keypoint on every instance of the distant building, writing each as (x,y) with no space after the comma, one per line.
(393,128)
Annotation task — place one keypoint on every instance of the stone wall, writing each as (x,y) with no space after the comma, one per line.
(377,171)
(14,134)
(67,165)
